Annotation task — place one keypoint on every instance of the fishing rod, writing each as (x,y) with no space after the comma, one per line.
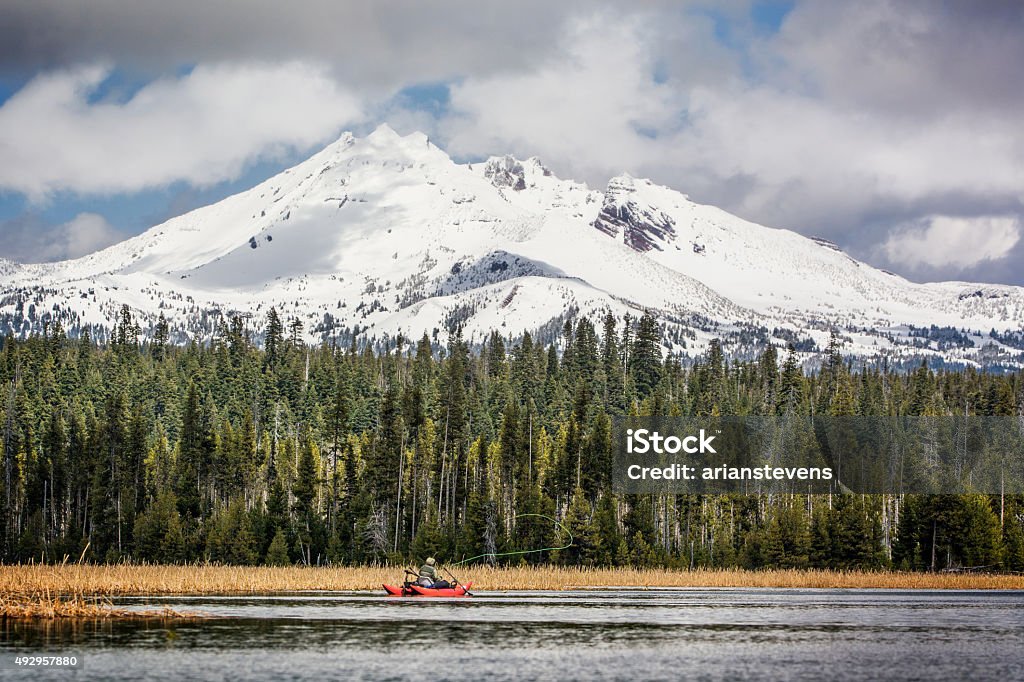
(416,575)
(515,553)
(525,551)
(455,581)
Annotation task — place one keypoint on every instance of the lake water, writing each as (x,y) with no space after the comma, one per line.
(601,635)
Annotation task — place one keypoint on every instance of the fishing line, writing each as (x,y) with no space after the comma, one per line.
(525,551)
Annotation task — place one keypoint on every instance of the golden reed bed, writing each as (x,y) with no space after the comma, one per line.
(39,580)
(76,606)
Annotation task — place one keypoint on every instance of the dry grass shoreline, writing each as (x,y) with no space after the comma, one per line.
(53,606)
(41,590)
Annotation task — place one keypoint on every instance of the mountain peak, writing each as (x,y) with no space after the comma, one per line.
(344,141)
(383,132)
(537,163)
(384,139)
(385,234)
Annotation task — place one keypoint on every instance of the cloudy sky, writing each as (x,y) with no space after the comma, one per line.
(893,128)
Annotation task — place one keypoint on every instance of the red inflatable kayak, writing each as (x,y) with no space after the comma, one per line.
(418,591)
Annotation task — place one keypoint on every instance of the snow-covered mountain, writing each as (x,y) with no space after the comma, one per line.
(386,235)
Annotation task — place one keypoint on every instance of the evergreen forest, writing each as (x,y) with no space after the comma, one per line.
(267,450)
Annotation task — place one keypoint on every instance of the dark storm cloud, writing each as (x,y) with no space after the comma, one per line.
(370,44)
(912,57)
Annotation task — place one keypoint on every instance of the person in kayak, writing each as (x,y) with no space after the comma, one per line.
(429,577)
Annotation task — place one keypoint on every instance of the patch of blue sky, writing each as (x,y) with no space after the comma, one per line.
(12,83)
(660,72)
(11,204)
(644,131)
(765,18)
(432,98)
(121,85)
(769,15)
(117,87)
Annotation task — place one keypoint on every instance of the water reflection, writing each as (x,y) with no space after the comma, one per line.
(543,635)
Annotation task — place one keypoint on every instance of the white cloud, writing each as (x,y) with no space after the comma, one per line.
(775,136)
(200,128)
(810,160)
(851,118)
(583,109)
(83,234)
(950,242)
(28,239)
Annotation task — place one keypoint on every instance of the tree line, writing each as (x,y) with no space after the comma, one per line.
(283,453)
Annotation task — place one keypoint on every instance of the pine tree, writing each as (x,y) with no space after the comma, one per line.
(194,450)
(768,372)
(611,362)
(791,385)
(273,341)
(608,537)
(788,540)
(585,549)
(161,335)
(277,552)
(1013,537)
(126,332)
(645,355)
(304,487)
(158,533)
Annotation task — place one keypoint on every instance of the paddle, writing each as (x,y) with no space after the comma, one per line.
(456,580)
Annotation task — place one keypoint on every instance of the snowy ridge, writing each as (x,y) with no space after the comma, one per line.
(386,235)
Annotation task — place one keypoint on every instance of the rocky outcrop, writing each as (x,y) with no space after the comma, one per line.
(505,171)
(643,227)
